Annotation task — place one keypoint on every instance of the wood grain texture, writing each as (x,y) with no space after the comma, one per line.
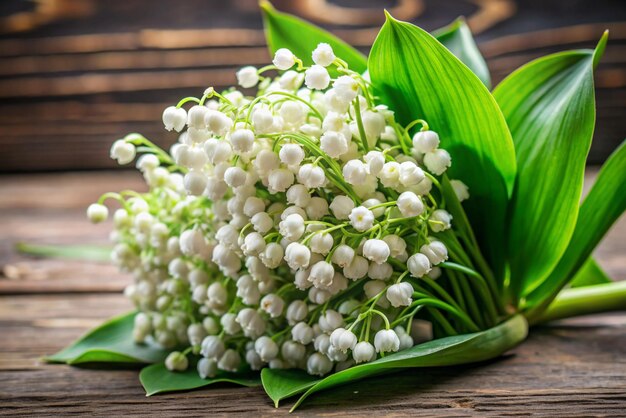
(570,368)
(76,75)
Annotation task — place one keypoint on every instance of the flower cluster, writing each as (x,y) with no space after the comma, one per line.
(299,227)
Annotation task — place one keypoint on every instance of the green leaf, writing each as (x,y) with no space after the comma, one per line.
(286,31)
(111,342)
(448,351)
(158,379)
(590,274)
(280,384)
(419,78)
(550,108)
(604,204)
(458,38)
(68,252)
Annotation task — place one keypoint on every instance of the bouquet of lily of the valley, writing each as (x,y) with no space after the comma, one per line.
(335,217)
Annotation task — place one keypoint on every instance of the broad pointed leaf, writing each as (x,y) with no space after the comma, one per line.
(448,351)
(286,31)
(458,38)
(68,252)
(604,204)
(158,379)
(280,384)
(590,274)
(550,108)
(419,78)
(111,342)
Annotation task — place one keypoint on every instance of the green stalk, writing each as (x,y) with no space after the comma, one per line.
(603,297)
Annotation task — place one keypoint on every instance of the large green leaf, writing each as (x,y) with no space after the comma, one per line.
(158,379)
(448,351)
(68,252)
(286,31)
(458,38)
(604,204)
(111,342)
(550,108)
(280,384)
(419,78)
(590,274)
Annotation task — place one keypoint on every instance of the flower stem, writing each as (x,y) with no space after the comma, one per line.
(584,300)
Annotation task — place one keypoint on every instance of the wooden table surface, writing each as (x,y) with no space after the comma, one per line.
(575,367)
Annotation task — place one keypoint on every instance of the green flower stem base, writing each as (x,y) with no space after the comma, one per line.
(585,300)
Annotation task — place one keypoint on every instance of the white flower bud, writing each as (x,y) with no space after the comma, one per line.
(252,324)
(363,352)
(291,154)
(390,174)
(296,311)
(123,152)
(410,204)
(253,244)
(196,334)
(262,222)
(376,250)
(262,119)
(316,77)
(330,321)
(319,296)
(212,347)
(317,208)
(293,113)
(397,245)
(361,218)
(290,80)
(410,174)
(343,255)
(195,116)
(460,190)
(334,144)
(322,243)
(322,343)
(217,151)
(242,140)
(298,195)
(302,333)
(357,268)
(217,293)
(400,294)
(229,324)
(248,290)
(247,77)
(207,368)
(440,220)
(437,161)
(355,172)
(279,180)
(341,207)
(311,176)
(273,255)
(230,361)
(292,351)
(425,141)
(436,252)
(217,122)
(418,264)
(235,176)
(297,255)
(273,305)
(174,118)
(343,339)
(195,182)
(322,274)
(97,213)
(380,271)
(323,55)
(176,362)
(346,88)
(292,227)
(406,341)
(335,354)
(386,340)
(192,242)
(266,348)
(254,360)
(375,161)
(284,59)
(318,364)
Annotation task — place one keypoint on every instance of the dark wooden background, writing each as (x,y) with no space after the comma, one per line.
(77,74)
